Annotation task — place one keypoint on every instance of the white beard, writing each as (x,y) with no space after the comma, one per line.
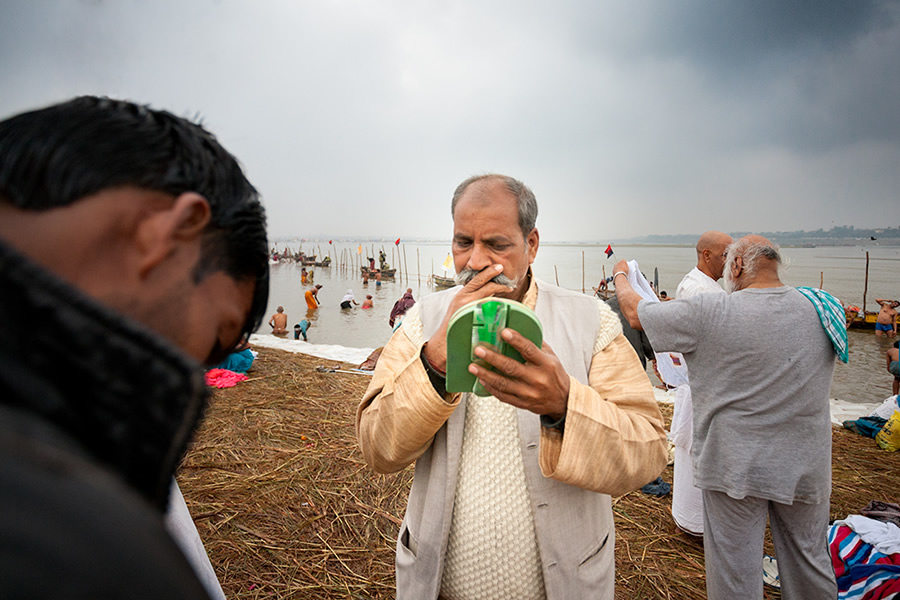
(727,279)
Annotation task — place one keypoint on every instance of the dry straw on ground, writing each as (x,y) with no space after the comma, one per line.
(287,509)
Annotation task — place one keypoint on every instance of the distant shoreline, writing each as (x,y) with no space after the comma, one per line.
(676,243)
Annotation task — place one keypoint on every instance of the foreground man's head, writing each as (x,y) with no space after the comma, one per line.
(141,210)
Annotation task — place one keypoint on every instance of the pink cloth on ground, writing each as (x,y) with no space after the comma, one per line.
(223,378)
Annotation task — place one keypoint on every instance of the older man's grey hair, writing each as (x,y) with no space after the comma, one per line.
(527,203)
(751,252)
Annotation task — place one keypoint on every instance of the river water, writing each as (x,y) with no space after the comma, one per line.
(842,271)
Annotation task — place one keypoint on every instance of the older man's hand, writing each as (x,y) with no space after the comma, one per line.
(478,288)
(540,385)
(622,265)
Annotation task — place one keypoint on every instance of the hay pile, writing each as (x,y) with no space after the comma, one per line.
(287,509)
(279,492)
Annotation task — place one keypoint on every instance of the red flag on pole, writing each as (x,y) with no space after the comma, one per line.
(609,250)
(397,243)
(329,241)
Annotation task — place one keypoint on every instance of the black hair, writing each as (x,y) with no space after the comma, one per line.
(58,155)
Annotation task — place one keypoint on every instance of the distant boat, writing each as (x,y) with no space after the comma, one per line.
(443,282)
(855,320)
(385,273)
(325,262)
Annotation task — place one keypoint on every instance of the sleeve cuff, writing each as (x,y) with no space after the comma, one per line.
(438,380)
(548,422)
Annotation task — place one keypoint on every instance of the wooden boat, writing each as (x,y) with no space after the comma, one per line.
(326,262)
(603,294)
(443,282)
(308,261)
(860,318)
(857,320)
(385,273)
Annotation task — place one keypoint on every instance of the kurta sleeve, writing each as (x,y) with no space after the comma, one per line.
(614,440)
(400,411)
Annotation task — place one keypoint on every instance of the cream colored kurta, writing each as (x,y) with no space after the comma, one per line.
(614,442)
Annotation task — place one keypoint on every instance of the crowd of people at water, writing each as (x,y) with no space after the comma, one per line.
(514,475)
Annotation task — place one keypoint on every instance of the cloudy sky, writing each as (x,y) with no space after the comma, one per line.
(359,118)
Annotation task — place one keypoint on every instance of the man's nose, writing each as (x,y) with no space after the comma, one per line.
(480,258)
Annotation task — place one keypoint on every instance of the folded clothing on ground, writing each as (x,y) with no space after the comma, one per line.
(860,569)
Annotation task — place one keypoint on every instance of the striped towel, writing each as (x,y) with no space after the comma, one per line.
(831,313)
(862,572)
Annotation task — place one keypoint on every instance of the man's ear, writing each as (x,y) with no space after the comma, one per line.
(532,241)
(737,267)
(162,229)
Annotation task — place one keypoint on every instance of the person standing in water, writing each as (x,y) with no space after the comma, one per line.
(348,299)
(312,297)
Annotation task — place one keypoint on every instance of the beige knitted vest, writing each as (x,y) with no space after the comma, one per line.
(492,551)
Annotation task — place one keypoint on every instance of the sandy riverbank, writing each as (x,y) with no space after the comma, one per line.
(287,509)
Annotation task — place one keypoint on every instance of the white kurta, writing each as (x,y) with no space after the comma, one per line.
(687,500)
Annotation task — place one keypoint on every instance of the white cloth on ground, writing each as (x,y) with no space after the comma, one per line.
(887,408)
(883,536)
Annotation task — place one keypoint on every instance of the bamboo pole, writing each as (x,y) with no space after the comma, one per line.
(405,264)
(557,275)
(866,286)
(582,271)
(418,267)
(821,279)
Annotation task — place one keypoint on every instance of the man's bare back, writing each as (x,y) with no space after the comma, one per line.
(278,322)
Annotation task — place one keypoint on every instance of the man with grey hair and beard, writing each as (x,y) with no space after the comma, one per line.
(761,365)
(511,496)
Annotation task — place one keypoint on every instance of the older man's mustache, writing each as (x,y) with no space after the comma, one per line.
(466,275)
